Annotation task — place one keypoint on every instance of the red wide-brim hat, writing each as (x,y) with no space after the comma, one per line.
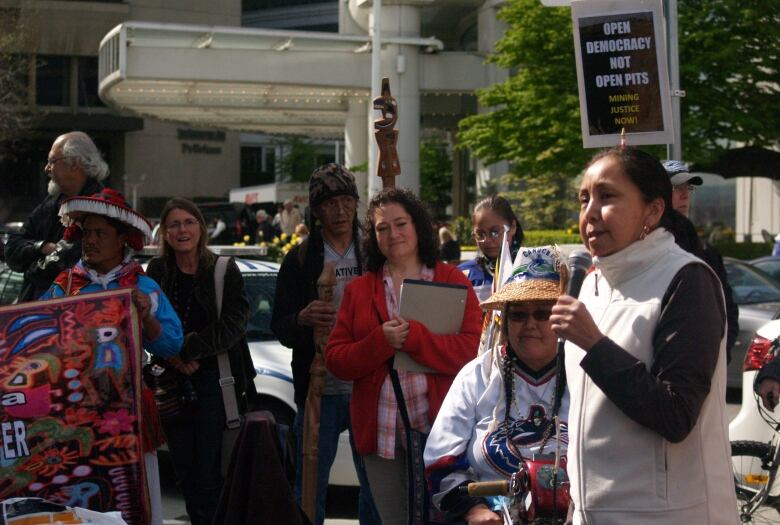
(108,203)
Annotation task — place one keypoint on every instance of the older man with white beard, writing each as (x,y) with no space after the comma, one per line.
(75,167)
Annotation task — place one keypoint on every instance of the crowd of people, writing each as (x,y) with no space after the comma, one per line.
(637,415)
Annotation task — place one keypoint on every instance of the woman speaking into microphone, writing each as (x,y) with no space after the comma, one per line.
(645,360)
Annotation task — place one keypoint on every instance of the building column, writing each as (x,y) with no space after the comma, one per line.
(490,29)
(356,143)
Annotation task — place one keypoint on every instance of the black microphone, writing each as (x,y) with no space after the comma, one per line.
(578,264)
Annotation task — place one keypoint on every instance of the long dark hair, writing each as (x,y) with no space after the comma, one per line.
(205,256)
(501,207)
(423,226)
(649,176)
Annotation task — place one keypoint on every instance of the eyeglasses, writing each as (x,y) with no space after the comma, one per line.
(520,316)
(492,235)
(684,187)
(178,225)
(51,162)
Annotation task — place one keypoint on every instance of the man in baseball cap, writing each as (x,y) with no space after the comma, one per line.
(683,184)
(334,239)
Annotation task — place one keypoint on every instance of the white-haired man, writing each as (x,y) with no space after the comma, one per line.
(74,167)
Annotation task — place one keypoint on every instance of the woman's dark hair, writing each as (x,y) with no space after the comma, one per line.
(501,207)
(426,238)
(649,176)
(509,383)
(205,256)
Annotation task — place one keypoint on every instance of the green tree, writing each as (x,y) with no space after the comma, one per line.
(299,160)
(729,55)
(534,119)
(436,176)
(16,119)
(730,69)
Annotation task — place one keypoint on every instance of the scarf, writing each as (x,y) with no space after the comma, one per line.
(74,280)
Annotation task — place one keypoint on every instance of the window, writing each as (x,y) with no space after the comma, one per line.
(260,289)
(258,165)
(52,81)
(88,82)
(10,285)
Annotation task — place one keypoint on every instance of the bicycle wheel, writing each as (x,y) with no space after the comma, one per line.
(750,477)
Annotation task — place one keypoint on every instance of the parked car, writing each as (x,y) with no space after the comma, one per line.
(758,297)
(10,284)
(274,382)
(769,265)
(748,424)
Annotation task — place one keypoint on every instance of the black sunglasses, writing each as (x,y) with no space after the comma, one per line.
(520,316)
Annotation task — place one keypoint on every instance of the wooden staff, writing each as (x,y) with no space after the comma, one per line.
(311,425)
(388,166)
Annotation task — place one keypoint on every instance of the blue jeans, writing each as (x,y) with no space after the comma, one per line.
(195,443)
(334,419)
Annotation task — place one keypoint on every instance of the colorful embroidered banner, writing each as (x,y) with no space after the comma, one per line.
(70,403)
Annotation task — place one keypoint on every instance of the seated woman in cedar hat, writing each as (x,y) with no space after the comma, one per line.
(107,227)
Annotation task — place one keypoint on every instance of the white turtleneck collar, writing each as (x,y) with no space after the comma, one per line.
(104,279)
(636,257)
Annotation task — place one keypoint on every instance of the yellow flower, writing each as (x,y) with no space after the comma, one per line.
(246,238)
(284,236)
(276,241)
(263,244)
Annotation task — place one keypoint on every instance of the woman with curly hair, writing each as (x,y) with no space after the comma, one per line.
(400,244)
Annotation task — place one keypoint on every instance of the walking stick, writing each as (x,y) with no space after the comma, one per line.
(311,426)
(388,166)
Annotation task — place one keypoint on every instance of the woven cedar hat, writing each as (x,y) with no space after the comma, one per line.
(537,275)
(108,203)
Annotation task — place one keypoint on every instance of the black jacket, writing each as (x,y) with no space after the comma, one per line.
(225,333)
(687,238)
(296,287)
(23,253)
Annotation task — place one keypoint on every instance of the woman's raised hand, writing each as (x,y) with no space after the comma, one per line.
(571,320)
(396,330)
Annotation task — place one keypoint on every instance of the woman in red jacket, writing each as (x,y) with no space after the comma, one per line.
(400,244)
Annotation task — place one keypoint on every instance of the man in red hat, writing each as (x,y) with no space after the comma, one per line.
(107,227)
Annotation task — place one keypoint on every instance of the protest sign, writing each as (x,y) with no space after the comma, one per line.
(622,72)
(70,403)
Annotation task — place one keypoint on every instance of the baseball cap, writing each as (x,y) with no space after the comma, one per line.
(680,174)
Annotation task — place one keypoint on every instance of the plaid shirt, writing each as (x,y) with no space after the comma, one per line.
(413,384)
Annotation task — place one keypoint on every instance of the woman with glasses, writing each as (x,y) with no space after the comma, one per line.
(185,271)
(499,410)
(492,216)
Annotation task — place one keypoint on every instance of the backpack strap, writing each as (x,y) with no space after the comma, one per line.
(226,378)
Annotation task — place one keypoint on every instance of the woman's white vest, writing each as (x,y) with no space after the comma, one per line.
(621,472)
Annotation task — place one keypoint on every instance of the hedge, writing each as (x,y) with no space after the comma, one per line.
(737,250)
(743,250)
